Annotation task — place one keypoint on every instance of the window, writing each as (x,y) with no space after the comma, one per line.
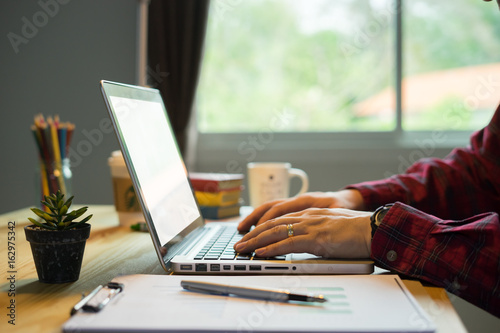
(451,64)
(332,66)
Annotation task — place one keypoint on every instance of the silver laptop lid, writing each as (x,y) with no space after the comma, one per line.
(154,162)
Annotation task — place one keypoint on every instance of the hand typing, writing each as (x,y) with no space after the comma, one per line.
(350,199)
(326,232)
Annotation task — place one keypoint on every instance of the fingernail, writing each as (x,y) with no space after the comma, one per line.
(260,252)
(239,246)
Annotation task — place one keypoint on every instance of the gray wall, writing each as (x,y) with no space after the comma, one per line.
(56,70)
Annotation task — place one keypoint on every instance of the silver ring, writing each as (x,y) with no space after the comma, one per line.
(289,228)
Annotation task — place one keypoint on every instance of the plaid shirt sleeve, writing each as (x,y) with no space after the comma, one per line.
(455,244)
(462,256)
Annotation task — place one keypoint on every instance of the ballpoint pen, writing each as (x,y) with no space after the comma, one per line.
(263,294)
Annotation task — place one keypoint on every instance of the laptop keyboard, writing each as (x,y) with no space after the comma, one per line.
(220,247)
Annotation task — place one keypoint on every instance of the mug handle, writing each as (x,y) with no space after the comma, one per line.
(293,172)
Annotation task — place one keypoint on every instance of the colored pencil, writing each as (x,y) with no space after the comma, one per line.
(52,138)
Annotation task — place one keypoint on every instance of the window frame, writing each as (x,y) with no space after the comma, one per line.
(362,142)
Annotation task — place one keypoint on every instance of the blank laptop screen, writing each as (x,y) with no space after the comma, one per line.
(147,138)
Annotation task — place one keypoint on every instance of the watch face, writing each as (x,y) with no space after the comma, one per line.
(380,216)
(380,213)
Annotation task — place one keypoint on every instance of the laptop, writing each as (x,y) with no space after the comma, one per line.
(182,240)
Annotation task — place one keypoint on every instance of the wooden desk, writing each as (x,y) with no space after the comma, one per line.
(112,250)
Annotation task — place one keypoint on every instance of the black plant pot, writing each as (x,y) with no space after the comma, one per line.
(57,254)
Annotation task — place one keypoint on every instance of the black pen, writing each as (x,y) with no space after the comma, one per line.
(263,294)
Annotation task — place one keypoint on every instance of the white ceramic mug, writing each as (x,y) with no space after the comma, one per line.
(271,181)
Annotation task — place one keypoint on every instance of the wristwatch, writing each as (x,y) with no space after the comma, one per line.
(378,215)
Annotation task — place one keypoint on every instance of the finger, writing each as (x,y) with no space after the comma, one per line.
(258,230)
(284,220)
(272,235)
(309,215)
(308,212)
(254,217)
(296,244)
(283,208)
(288,206)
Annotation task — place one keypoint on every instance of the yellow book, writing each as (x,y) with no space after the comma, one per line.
(221,198)
(217,212)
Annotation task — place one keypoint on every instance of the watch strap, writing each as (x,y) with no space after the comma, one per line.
(378,216)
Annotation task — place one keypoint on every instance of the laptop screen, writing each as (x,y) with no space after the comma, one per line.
(153,159)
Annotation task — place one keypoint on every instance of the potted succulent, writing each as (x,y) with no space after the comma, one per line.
(57,240)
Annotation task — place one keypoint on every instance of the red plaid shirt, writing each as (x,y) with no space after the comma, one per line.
(445,226)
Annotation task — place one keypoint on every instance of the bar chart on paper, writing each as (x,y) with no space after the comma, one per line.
(338,303)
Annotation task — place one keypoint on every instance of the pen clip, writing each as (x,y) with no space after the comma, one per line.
(98,298)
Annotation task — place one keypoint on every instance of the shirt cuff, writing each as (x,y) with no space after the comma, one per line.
(397,243)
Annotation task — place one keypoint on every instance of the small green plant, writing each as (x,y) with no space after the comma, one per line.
(58,218)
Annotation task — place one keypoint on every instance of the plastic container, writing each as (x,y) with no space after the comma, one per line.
(126,204)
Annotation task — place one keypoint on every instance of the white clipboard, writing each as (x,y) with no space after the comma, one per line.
(356,303)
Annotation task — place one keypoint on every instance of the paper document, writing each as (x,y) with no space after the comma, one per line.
(356,303)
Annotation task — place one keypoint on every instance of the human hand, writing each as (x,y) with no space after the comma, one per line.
(326,232)
(350,199)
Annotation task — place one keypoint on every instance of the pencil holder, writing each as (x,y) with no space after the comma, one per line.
(54,176)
